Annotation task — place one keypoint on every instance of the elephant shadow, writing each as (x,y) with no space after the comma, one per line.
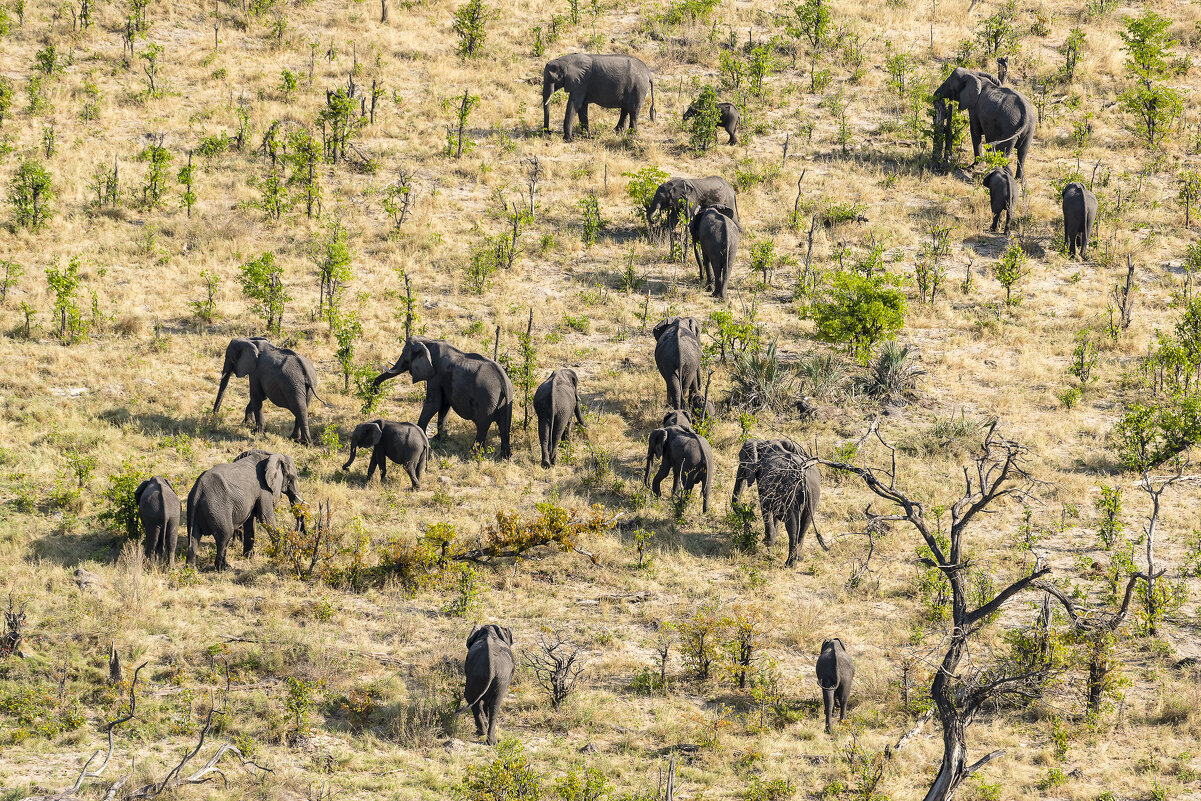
(72,550)
(157,424)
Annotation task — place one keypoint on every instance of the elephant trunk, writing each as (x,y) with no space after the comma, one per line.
(646,475)
(354,449)
(221,389)
(740,483)
(386,375)
(548,89)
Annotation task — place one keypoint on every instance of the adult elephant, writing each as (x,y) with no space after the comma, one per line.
(999,115)
(789,489)
(609,81)
(556,402)
(474,386)
(158,511)
(678,357)
(690,195)
(489,670)
(229,497)
(687,455)
(1079,215)
(279,375)
(835,671)
(715,238)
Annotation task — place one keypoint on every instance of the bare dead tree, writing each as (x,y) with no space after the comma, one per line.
(533,174)
(1123,296)
(1155,486)
(556,666)
(84,774)
(14,628)
(998,472)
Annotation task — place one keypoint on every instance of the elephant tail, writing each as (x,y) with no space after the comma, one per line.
(483,692)
(652,99)
(313,392)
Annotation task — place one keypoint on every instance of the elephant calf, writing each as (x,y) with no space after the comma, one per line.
(556,401)
(687,455)
(1079,214)
(678,357)
(158,510)
(715,238)
(835,670)
(728,118)
(1002,195)
(789,489)
(489,671)
(403,443)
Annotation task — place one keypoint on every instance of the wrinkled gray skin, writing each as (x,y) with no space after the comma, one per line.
(474,386)
(556,401)
(1002,195)
(997,114)
(677,417)
(229,497)
(1079,214)
(489,671)
(834,673)
(687,455)
(690,195)
(777,465)
(1002,69)
(678,357)
(715,238)
(158,509)
(279,375)
(403,443)
(727,118)
(609,81)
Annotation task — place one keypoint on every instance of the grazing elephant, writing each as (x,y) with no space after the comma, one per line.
(158,509)
(1079,214)
(556,400)
(687,455)
(997,114)
(404,443)
(715,238)
(229,497)
(621,82)
(789,489)
(1002,195)
(834,673)
(280,375)
(727,118)
(476,387)
(489,670)
(690,195)
(678,357)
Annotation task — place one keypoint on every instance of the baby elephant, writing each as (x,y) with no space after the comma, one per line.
(404,443)
(686,455)
(555,402)
(728,118)
(715,238)
(1079,214)
(489,670)
(834,673)
(158,509)
(1003,194)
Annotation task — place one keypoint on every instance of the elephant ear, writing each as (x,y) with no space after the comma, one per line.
(137,494)
(422,365)
(692,324)
(273,475)
(724,210)
(246,357)
(662,326)
(476,633)
(506,634)
(988,179)
(694,225)
(571,376)
(658,442)
(969,93)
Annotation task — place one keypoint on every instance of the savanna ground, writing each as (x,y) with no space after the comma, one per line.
(381,660)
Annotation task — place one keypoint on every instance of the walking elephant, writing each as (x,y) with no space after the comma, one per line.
(1002,195)
(997,114)
(789,489)
(690,195)
(835,670)
(158,511)
(715,238)
(609,81)
(474,386)
(489,671)
(556,401)
(678,357)
(403,443)
(687,455)
(279,375)
(728,118)
(229,497)
(1079,215)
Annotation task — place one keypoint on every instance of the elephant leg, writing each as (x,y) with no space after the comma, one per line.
(769,528)
(544,440)
(429,408)
(481,433)
(634,117)
(676,470)
(996,219)
(828,702)
(584,117)
(442,412)
(222,542)
(478,714)
(657,482)
(412,467)
(504,427)
(302,426)
(569,119)
(622,120)
(383,468)
(843,693)
(498,696)
(172,542)
(152,534)
(248,538)
(791,525)
(558,430)
(371,467)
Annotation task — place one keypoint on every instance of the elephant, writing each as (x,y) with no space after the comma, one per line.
(678,357)
(280,375)
(158,509)
(789,489)
(690,195)
(715,238)
(489,670)
(1079,214)
(556,400)
(229,497)
(687,455)
(727,118)
(677,417)
(404,443)
(609,81)
(474,386)
(835,670)
(1002,70)
(1002,195)
(997,114)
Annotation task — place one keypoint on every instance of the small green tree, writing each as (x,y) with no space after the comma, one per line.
(998,33)
(186,179)
(31,195)
(157,159)
(6,98)
(340,123)
(12,273)
(303,156)
(811,22)
(703,118)
(1190,192)
(151,57)
(333,257)
(457,140)
(509,777)
(593,222)
(470,26)
(262,283)
(1073,46)
(641,187)
(347,330)
(205,309)
(1153,104)
(120,513)
(859,312)
(64,284)
(1011,269)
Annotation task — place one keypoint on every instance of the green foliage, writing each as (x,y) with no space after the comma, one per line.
(332,255)
(288,84)
(1084,356)
(466,596)
(509,777)
(64,284)
(262,283)
(1149,434)
(151,57)
(690,11)
(838,105)
(811,22)
(303,156)
(702,124)
(860,312)
(774,790)
(6,98)
(12,273)
(1011,268)
(187,179)
(457,140)
(731,336)
(641,187)
(157,159)
(340,123)
(347,330)
(593,222)
(760,380)
(588,784)
(298,701)
(31,194)
(1073,46)
(998,34)
(205,309)
(120,513)
(1109,506)
(470,26)
(700,639)
(398,199)
(1189,182)
(1153,104)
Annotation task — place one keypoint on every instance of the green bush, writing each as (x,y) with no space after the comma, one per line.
(860,312)
(703,120)
(470,26)
(120,515)
(1150,434)
(262,282)
(509,777)
(31,195)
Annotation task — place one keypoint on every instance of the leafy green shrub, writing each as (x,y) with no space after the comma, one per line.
(860,312)
(774,790)
(593,222)
(893,375)
(1011,269)
(641,187)
(31,194)
(509,777)
(470,26)
(64,284)
(120,514)
(761,380)
(588,784)
(700,639)
(1150,434)
(262,283)
(703,118)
